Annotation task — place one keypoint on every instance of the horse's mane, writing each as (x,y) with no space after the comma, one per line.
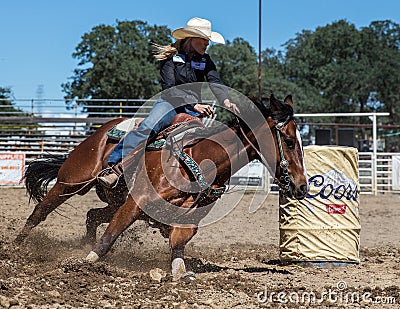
(284,112)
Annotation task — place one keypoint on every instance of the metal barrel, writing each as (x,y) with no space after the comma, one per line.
(323,230)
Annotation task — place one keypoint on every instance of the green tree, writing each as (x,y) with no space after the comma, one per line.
(236,63)
(117,62)
(329,60)
(385,63)
(7,108)
(351,70)
(386,74)
(274,79)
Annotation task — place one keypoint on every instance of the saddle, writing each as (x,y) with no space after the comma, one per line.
(182,125)
(182,133)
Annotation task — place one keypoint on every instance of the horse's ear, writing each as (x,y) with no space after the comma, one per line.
(273,102)
(254,99)
(289,100)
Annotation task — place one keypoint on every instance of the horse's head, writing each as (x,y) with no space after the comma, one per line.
(290,172)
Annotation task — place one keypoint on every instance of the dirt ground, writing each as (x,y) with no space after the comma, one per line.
(236,261)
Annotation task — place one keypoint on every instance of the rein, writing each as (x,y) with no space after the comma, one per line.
(284,180)
(262,158)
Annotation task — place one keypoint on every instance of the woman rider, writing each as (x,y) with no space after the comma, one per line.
(182,63)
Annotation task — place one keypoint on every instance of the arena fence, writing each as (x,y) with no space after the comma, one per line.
(384,177)
(48,128)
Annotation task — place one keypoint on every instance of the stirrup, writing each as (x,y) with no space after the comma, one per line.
(110,176)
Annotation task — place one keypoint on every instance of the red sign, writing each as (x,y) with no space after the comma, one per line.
(12,167)
(336,209)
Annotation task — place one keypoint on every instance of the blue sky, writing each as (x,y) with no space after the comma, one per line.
(38,37)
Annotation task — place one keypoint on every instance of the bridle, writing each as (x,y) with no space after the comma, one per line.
(284,180)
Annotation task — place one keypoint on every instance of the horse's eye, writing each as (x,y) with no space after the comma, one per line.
(289,142)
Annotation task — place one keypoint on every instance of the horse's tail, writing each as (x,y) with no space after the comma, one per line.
(39,173)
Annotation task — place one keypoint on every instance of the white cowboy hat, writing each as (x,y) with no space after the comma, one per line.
(198,28)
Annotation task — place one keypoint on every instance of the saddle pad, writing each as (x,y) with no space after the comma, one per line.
(182,122)
(119,130)
(129,124)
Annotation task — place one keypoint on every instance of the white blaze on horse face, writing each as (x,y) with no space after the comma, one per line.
(302,152)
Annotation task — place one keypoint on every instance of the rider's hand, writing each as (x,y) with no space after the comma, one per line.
(231,106)
(204,109)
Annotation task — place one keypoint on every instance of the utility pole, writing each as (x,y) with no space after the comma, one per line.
(259,51)
(39,100)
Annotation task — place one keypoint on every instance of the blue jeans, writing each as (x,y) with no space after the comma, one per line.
(160,117)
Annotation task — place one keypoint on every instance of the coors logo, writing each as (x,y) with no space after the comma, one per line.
(333,184)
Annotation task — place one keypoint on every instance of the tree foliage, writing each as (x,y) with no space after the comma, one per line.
(385,66)
(335,68)
(7,108)
(274,79)
(117,62)
(331,62)
(5,95)
(236,63)
(351,70)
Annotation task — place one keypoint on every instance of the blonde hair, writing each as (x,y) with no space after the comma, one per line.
(163,52)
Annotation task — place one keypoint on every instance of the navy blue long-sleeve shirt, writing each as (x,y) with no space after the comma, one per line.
(178,72)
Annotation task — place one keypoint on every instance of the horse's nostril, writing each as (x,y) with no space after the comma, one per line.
(303,189)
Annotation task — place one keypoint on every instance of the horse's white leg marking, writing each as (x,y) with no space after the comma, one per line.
(178,268)
(92,257)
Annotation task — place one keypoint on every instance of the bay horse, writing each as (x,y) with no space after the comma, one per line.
(164,191)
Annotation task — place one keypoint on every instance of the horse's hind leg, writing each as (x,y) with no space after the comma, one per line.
(94,218)
(178,238)
(50,202)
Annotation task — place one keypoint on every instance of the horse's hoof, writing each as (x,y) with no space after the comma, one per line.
(92,257)
(19,240)
(188,276)
(178,268)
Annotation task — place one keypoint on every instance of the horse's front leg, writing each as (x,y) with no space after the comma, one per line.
(178,238)
(128,213)
(180,235)
(94,218)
